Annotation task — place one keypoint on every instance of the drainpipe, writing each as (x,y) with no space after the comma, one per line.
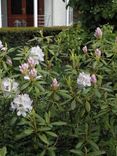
(35,13)
(67,14)
(0,14)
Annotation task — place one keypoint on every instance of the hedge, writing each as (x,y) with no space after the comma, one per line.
(19,36)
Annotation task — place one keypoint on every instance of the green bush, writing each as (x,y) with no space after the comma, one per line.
(73,38)
(19,36)
(72,104)
(95,13)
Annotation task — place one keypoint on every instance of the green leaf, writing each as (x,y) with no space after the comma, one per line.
(24,134)
(96,153)
(97,93)
(73,105)
(13,121)
(47,118)
(44,129)
(79,145)
(51,152)
(23,122)
(3,151)
(51,134)
(28,131)
(4,65)
(64,94)
(44,139)
(40,87)
(87,106)
(93,144)
(42,153)
(59,123)
(11,50)
(79,153)
(40,119)
(24,86)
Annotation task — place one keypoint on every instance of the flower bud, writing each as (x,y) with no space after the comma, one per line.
(85,49)
(31,62)
(24,68)
(33,73)
(93,79)
(97,53)
(54,84)
(9,61)
(98,33)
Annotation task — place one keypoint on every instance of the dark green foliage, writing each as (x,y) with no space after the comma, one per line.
(96,12)
(19,36)
(73,38)
(67,120)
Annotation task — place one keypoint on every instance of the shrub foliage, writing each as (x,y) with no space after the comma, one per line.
(96,12)
(74,101)
(19,36)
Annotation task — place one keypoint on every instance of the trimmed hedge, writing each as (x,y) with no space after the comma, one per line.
(19,36)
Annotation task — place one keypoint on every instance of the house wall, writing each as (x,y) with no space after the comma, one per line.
(59,13)
(4,13)
(48,11)
(55,13)
(54,10)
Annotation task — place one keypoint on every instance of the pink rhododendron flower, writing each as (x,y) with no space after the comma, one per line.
(31,62)
(32,75)
(24,68)
(98,33)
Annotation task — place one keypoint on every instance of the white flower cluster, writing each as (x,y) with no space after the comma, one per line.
(9,86)
(37,54)
(84,80)
(22,104)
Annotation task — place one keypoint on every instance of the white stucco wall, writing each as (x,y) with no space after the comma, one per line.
(55,13)
(4,13)
(48,11)
(59,13)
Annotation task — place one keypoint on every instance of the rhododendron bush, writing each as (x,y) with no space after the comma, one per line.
(56,102)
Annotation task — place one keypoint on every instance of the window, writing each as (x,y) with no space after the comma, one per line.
(29,7)
(16,7)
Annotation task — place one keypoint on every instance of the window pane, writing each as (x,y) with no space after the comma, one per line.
(16,6)
(29,7)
